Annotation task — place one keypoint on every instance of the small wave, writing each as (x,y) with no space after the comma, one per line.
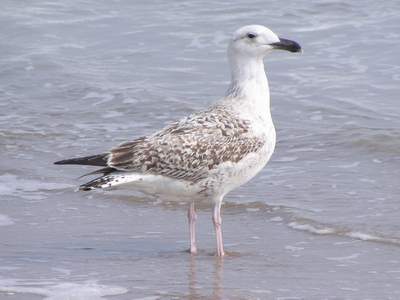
(320,229)
(287,215)
(312,229)
(375,140)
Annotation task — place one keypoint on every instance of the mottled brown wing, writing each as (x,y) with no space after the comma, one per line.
(188,149)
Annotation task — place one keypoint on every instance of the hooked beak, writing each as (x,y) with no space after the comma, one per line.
(287,45)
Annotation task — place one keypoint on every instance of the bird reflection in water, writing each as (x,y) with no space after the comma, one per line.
(217,277)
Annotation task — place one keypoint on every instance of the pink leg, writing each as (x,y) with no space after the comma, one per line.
(192,216)
(217,225)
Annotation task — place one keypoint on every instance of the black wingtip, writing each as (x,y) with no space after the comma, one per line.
(85,188)
(92,160)
(104,171)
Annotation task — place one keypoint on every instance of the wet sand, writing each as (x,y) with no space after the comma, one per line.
(138,251)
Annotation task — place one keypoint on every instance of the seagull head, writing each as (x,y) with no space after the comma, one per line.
(257,41)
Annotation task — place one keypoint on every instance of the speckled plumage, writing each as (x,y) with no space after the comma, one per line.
(189,149)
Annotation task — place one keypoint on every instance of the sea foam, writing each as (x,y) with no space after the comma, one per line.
(89,290)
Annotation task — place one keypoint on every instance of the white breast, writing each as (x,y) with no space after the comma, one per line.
(229,175)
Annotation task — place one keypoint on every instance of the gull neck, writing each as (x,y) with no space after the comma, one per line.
(249,82)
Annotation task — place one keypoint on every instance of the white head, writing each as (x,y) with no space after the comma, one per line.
(256,41)
(246,51)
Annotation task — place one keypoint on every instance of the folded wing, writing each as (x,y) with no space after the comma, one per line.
(188,149)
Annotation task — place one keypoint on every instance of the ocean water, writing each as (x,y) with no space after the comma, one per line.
(321,221)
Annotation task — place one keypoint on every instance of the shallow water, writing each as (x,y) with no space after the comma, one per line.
(321,221)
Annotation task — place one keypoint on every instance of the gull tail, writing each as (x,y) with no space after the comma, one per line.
(110,178)
(98,183)
(106,180)
(93,160)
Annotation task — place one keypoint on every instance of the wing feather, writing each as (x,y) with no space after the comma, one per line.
(188,149)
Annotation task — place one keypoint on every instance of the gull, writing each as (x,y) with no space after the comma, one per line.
(210,153)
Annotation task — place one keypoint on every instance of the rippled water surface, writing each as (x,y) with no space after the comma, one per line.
(321,221)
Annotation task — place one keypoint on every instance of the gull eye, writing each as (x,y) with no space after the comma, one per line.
(251,35)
